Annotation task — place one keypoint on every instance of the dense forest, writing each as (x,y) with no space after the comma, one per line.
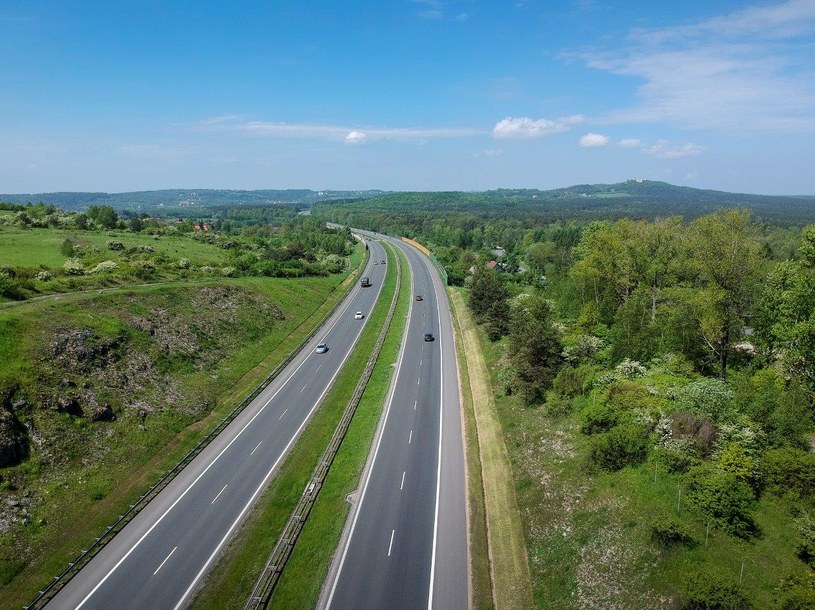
(683,348)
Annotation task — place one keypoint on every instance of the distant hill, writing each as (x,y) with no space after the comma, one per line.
(632,199)
(193,198)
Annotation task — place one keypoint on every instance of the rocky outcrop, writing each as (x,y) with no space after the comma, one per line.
(13,440)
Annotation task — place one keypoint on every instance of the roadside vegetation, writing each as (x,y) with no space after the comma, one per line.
(654,382)
(100,393)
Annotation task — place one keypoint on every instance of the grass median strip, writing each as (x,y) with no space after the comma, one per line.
(300,584)
(232,579)
(511,581)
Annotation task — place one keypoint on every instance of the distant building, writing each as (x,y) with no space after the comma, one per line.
(491,264)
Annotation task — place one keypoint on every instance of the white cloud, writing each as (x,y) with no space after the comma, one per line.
(355,137)
(630,143)
(665,150)
(344,133)
(593,140)
(526,128)
(747,71)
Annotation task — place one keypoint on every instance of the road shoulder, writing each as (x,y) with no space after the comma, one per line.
(511,581)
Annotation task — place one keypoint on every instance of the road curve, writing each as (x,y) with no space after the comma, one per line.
(160,556)
(405,543)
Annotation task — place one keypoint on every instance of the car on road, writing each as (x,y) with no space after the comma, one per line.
(323,348)
(419,297)
(358,315)
(382,262)
(429,337)
(366,282)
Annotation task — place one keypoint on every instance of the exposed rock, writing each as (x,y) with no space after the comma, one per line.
(102,413)
(13,442)
(68,404)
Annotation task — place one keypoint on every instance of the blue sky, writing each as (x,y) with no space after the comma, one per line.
(406,94)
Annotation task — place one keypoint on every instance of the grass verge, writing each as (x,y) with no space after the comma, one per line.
(507,551)
(481,580)
(231,580)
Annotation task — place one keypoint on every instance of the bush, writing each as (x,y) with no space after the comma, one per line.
(788,471)
(722,498)
(805,545)
(557,405)
(669,532)
(600,417)
(625,445)
(45,276)
(708,399)
(104,267)
(712,592)
(74,266)
(184,263)
(115,245)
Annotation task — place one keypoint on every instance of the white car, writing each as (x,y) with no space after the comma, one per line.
(358,315)
(322,348)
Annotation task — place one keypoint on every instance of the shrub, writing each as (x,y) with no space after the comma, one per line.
(669,532)
(45,276)
(67,248)
(229,271)
(805,545)
(104,267)
(144,269)
(722,498)
(74,266)
(598,418)
(184,263)
(557,405)
(630,369)
(625,445)
(677,454)
(115,245)
(712,592)
(788,471)
(708,399)
(585,347)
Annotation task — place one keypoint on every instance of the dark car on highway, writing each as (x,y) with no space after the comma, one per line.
(429,337)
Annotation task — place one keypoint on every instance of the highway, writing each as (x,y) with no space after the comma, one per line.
(405,543)
(159,557)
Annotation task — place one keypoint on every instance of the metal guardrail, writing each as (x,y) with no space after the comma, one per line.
(269,577)
(62,579)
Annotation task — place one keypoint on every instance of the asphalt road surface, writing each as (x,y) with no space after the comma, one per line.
(160,556)
(405,543)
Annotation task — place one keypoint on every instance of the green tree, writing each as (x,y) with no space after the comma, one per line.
(727,252)
(534,347)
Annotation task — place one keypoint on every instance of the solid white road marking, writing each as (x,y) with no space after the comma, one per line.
(165,561)
(414,404)
(419,380)
(402,486)
(390,546)
(282,414)
(219,494)
(256,448)
(410,438)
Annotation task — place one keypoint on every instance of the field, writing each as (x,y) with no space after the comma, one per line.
(41,247)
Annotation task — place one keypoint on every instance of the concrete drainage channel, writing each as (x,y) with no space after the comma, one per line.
(262,593)
(59,581)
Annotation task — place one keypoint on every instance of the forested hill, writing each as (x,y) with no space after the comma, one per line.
(149,201)
(633,199)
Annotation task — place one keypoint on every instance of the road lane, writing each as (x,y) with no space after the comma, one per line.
(392,555)
(158,558)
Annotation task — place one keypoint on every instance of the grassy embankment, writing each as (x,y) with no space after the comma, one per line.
(233,577)
(497,542)
(589,536)
(82,474)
